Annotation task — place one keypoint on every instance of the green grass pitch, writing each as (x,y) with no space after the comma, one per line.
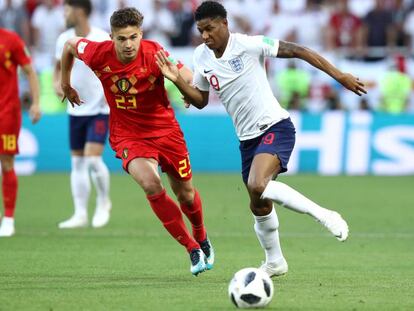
(132,264)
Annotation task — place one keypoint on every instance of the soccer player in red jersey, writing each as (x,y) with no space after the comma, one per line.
(144,132)
(13,54)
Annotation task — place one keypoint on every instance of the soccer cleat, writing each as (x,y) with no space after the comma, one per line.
(7,227)
(102,214)
(334,222)
(197,261)
(208,251)
(277,268)
(74,222)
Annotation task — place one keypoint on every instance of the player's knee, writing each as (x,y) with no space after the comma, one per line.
(185,196)
(151,187)
(7,164)
(94,162)
(256,186)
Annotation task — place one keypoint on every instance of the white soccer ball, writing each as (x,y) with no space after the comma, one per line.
(251,288)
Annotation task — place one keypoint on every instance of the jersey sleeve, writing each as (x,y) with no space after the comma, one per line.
(20,55)
(199,81)
(86,51)
(260,45)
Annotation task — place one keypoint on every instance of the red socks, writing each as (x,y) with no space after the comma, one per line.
(9,187)
(170,215)
(194,213)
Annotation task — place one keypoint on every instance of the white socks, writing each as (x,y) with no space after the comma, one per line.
(268,235)
(100,178)
(80,184)
(290,198)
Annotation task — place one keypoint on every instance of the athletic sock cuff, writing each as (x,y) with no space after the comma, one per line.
(154,197)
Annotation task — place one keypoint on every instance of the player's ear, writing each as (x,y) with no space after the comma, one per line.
(111,36)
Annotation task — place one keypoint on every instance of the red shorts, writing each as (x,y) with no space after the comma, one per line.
(170,152)
(9,135)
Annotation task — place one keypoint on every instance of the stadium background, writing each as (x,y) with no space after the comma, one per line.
(132,264)
(339,133)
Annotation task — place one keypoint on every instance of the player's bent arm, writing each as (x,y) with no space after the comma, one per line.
(57,72)
(194,96)
(68,57)
(34,110)
(186,73)
(293,50)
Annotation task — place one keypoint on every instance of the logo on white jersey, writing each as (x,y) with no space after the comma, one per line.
(236,64)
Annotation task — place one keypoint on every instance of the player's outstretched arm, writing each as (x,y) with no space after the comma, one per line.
(293,50)
(34,110)
(68,57)
(181,79)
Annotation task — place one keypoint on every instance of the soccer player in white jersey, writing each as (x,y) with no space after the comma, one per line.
(233,65)
(88,123)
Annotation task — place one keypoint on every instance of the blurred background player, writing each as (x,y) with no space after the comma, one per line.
(13,53)
(88,123)
(233,65)
(144,131)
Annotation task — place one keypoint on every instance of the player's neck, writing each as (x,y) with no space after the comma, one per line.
(83,29)
(220,51)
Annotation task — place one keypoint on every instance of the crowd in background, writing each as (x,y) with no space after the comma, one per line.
(354,34)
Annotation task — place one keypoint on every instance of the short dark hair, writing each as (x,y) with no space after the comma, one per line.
(210,9)
(86,5)
(126,17)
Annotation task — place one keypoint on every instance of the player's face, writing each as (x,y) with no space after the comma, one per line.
(214,32)
(70,16)
(127,41)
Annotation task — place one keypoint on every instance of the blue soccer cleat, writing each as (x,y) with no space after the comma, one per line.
(208,251)
(197,261)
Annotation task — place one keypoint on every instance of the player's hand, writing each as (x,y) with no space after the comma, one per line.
(35,113)
(352,83)
(168,69)
(72,96)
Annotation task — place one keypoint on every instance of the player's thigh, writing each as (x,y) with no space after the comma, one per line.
(145,172)
(77,134)
(265,166)
(96,134)
(7,162)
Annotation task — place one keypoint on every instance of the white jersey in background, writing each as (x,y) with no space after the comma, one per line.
(239,79)
(83,79)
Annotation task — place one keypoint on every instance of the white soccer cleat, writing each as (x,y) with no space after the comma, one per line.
(276,268)
(334,222)
(102,214)
(198,264)
(7,227)
(75,221)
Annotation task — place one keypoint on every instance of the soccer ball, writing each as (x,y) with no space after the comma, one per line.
(251,288)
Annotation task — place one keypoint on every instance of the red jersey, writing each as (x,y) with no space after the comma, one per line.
(345,27)
(13,53)
(138,102)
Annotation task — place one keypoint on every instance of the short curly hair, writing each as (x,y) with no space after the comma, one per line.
(126,17)
(210,9)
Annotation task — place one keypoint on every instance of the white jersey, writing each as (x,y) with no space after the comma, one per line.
(239,79)
(83,79)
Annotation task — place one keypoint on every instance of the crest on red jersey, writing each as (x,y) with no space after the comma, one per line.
(123,85)
(125,153)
